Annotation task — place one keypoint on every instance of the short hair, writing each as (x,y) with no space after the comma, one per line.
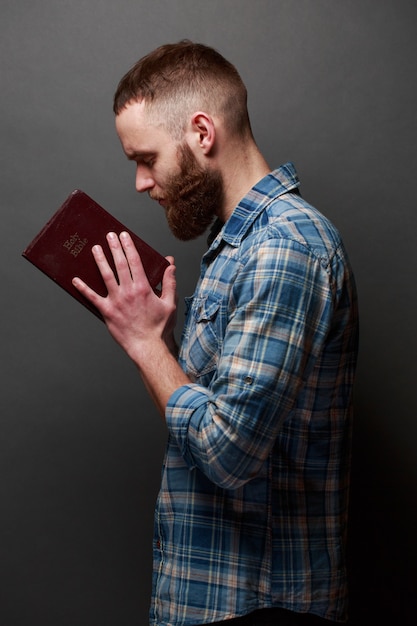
(175,80)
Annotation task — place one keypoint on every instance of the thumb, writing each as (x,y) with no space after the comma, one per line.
(169,284)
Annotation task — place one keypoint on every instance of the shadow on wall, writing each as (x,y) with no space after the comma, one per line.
(383,523)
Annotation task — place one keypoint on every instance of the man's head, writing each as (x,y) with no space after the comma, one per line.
(175,80)
(178,112)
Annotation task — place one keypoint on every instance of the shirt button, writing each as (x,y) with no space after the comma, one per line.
(248,380)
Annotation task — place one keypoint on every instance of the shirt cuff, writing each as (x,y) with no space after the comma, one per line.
(185,409)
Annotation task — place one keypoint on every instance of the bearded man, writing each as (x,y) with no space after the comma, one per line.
(250,522)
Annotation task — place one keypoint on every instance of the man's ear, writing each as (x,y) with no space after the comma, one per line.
(204,131)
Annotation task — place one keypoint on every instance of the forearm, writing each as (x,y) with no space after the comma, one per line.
(160,372)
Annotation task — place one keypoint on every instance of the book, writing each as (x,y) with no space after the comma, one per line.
(62,249)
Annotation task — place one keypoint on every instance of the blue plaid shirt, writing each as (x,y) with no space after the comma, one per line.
(253,504)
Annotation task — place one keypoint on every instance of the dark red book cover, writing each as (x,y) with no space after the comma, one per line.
(62,249)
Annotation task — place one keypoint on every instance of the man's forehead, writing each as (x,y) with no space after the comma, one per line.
(134,122)
(133,114)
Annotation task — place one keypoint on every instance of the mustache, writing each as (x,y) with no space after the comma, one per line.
(154,197)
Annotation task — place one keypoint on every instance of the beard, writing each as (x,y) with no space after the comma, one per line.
(192,197)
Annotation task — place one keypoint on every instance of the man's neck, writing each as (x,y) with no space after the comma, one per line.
(241,170)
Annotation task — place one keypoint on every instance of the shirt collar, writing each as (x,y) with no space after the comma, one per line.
(276,183)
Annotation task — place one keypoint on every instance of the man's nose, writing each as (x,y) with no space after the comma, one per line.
(144,182)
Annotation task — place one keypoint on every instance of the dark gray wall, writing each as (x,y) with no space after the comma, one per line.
(332,86)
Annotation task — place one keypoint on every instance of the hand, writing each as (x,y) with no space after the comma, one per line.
(135,316)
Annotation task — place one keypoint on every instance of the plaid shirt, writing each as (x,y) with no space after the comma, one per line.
(252,510)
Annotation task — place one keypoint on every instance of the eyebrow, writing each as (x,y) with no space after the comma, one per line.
(140,154)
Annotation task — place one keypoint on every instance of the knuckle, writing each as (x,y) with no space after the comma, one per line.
(107,274)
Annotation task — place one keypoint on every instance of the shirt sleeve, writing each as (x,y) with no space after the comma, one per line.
(280,311)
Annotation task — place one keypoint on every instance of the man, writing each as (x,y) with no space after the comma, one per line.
(250,523)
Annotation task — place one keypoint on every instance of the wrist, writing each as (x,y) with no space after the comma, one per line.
(148,351)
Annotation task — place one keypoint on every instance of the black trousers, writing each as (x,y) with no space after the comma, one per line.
(277,617)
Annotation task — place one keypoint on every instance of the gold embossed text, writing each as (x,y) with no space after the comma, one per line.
(75,244)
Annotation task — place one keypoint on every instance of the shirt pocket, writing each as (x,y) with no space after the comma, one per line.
(204,335)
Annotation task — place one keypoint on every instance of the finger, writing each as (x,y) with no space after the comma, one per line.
(110,280)
(87,292)
(169,284)
(133,259)
(121,262)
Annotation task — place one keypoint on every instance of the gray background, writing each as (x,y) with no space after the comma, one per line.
(332,86)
